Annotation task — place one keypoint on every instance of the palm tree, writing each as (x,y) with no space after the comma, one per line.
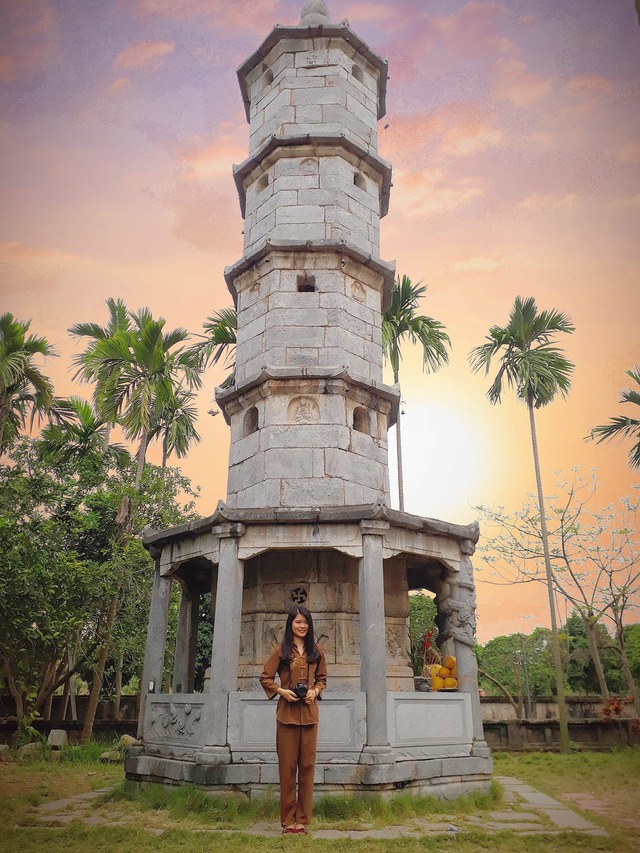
(219,342)
(400,322)
(89,367)
(621,426)
(175,423)
(23,388)
(79,436)
(531,363)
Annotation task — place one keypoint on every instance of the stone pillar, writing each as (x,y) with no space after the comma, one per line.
(186,640)
(373,649)
(226,645)
(156,640)
(464,638)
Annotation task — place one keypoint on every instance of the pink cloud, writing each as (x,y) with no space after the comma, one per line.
(474,30)
(121,84)
(548,200)
(431,192)
(26,38)
(481,264)
(515,83)
(371,12)
(207,159)
(27,19)
(7,69)
(205,218)
(143,54)
(458,130)
(630,152)
(16,252)
(589,84)
(258,18)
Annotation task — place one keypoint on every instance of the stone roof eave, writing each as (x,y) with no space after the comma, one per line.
(316,141)
(391,393)
(341,31)
(386,269)
(316,515)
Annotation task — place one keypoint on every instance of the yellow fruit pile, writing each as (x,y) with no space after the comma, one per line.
(446,676)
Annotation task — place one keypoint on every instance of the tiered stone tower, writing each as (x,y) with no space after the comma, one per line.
(309,413)
(307,517)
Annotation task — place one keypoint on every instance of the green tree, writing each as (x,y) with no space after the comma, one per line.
(92,367)
(621,426)
(175,424)
(48,586)
(422,621)
(400,322)
(501,665)
(219,342)
(81,436)
(531,363)
(593,553)
(24,389)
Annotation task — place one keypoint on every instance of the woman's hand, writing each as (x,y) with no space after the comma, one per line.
(311,696)
(289,695)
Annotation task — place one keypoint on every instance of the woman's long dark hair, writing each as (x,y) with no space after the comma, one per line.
(310,648)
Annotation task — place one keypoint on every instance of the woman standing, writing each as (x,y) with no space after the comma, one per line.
(302,671)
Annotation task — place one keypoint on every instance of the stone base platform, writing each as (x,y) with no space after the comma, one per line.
(431,746)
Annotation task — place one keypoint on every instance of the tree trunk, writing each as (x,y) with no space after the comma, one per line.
(96,686)
(118,691)
(142,454)
(624,660)
(591,625)
(565,744)
(14,691)
(107,437)
(517,667)
(399,453)
(505,690)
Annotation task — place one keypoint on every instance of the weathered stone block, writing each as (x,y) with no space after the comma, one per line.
(295,492)
(296,182)
(355,469)
(299,213)
(292,461)
(333,95)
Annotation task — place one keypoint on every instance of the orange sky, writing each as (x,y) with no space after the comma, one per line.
(514,133)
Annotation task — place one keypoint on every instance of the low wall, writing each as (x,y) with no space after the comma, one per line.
(498,709)
(536,736)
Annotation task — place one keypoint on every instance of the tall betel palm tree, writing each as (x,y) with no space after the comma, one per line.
(531,363)
(89,366)
(401,322)
(24,388)
(621,426)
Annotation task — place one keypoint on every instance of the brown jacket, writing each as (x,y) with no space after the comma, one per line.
(314,674)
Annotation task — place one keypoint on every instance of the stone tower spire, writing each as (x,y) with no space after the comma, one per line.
(314,12)
(309,413)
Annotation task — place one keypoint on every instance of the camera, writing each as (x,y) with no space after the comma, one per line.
(301,689)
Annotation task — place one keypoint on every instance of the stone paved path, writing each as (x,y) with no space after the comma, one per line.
(526,811)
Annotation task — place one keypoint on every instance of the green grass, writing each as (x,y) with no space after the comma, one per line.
(191,819)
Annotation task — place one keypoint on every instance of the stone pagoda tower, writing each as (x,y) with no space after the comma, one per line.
(307,517)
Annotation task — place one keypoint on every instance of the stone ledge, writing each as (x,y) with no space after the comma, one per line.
(266,246)
(156,539)
(318,143)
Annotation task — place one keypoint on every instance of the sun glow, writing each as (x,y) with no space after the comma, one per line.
(442,462)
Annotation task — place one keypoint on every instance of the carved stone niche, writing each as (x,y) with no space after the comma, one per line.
(303,410)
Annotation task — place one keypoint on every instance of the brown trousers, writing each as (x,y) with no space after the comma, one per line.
(296,747)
